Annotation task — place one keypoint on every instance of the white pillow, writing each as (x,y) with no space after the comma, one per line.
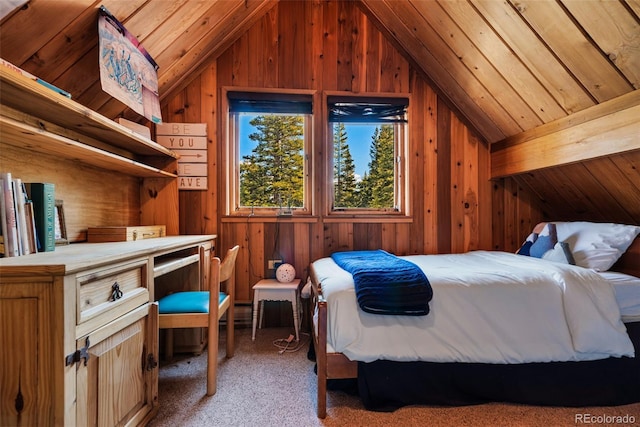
(560,253)
(596,245)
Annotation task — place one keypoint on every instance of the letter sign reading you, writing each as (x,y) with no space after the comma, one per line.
(189,140)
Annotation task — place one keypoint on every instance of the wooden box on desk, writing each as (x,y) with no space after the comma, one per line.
(125,234)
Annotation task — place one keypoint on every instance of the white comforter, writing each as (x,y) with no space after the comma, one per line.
(487,307)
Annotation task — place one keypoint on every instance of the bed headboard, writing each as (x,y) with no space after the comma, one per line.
(629,262)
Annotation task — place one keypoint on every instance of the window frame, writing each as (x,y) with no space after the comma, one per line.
(401,149)
(231,154)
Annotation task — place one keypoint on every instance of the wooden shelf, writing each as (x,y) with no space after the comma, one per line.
(172,264)
(120,144)
(24,136)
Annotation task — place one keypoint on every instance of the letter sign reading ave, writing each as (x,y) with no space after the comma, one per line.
(192,183)
(189,140)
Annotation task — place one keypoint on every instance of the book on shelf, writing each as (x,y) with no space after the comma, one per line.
(42,195)
(21,218)
(31,226)
(27,74)
(14,193)
(3,219)
(18,235)
(9,225)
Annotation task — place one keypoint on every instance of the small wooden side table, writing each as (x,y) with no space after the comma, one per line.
(272,290)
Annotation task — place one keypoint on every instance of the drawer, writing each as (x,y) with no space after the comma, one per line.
(107,293)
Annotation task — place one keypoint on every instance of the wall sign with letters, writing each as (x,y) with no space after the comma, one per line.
(189,140)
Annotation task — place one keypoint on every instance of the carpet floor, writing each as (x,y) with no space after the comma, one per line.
(260,386)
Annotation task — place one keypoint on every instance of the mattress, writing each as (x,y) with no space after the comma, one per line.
(627,293)
(487,307)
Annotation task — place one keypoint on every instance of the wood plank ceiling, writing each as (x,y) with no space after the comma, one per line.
(519,64)
(180,36)
(508,66)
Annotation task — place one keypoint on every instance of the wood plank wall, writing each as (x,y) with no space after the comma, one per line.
(329,46)
(91,196)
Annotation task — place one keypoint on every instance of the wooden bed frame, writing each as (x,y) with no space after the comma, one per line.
(338,366)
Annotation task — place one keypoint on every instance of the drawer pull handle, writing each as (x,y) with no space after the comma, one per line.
(116,293)
(143,234)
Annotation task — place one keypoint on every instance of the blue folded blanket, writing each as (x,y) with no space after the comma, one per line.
(386,284)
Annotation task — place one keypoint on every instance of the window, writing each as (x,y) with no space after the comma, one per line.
(269,141)
(368,142)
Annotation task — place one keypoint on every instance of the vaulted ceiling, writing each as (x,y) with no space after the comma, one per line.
(510,67)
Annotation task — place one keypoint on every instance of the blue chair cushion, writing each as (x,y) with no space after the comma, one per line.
(186,302)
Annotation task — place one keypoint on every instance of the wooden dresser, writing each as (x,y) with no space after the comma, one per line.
(78,329)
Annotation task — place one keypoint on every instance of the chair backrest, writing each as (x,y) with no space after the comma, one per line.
(214,294)
(227,268)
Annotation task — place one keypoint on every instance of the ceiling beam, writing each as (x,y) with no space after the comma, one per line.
(612,127)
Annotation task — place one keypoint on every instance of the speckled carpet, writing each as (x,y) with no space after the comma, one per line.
(261,387)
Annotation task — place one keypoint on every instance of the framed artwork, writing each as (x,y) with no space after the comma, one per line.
(60,225)
(127,70)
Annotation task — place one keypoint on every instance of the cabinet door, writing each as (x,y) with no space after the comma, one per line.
(27,394)
(118,383)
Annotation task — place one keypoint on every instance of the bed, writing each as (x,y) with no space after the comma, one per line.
(558,323)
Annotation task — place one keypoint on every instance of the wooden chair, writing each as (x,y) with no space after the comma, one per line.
(203,309)
(228,277)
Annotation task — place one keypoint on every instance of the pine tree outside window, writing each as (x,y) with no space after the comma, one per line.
(270,134)
(368,142)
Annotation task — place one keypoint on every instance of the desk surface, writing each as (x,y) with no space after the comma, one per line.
(77,256)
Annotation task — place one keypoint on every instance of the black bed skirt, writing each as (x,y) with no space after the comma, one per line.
(386,386)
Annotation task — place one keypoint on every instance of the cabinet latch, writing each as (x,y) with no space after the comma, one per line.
(152,363)
(78,355)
